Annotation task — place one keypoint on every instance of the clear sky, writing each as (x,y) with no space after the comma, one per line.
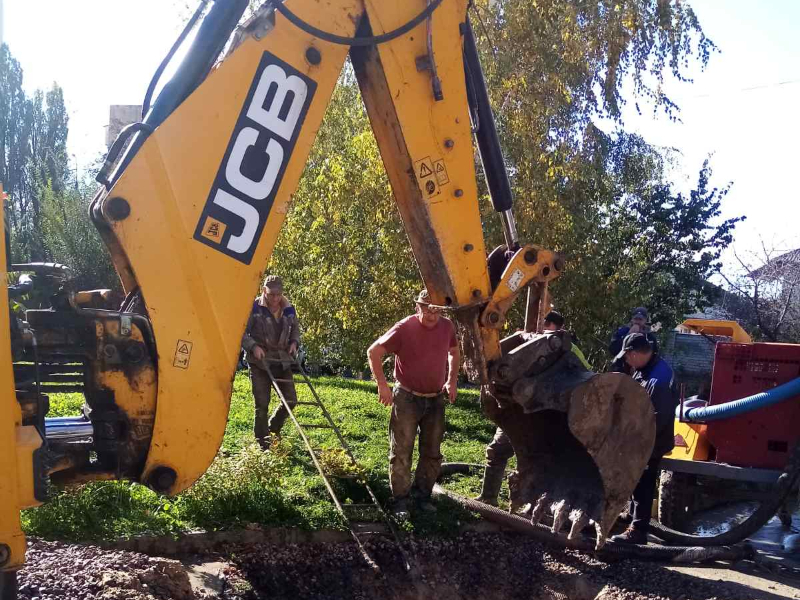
(743,110)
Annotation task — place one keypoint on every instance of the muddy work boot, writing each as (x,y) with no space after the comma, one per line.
(631,535)
(399,509)
(425,505)
(492,481)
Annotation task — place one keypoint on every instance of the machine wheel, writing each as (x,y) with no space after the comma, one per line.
(676,499)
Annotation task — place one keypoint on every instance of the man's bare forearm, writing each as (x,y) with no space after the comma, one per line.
(375,356)
(453,363)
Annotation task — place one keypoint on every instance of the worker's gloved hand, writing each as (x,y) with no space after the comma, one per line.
(293,349)
(258,353)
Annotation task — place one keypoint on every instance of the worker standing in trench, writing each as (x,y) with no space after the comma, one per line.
(426,374)
(639,359)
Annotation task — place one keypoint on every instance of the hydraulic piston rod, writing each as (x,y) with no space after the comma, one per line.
(68,428)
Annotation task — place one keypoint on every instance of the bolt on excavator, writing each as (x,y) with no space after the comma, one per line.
(191,202)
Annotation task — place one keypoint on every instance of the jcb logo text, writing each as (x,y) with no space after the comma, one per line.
(259,151)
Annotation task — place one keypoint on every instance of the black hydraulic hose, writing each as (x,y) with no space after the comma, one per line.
(148,97)
(787,482)
(680,554)
(372,40)
(494,165)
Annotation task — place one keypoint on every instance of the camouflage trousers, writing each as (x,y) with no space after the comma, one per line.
(266,425)
(411,413)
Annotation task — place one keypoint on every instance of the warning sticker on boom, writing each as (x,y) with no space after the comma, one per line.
(183,353)
(516,278)
(426,176)
(441,172)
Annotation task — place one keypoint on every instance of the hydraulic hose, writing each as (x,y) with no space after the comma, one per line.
(678,554)
(739,407)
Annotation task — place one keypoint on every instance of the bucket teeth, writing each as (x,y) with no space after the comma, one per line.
(601,537)
(579,521)
(560,513)
(539,509)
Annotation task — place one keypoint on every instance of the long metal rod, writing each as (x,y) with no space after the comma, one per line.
(321,471)
(375,502)
(509,229)
(343,442)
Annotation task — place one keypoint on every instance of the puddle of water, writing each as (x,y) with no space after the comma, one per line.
(768,540)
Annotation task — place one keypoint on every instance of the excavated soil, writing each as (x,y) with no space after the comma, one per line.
(474,566)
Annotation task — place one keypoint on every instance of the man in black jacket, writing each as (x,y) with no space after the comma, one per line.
(638,359)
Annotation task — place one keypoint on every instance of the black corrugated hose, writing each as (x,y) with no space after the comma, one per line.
(787,482)
(678,554)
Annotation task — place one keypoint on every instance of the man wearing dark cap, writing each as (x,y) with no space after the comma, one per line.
(426,372)
(639,323)
(272,333)
(640,360)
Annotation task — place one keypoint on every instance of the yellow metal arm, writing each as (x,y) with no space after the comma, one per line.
(196,214)
(193,214)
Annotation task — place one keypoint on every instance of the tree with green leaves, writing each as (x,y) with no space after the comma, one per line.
(555,69)
(33,155)
(346,263)
(71,238)
(48,219)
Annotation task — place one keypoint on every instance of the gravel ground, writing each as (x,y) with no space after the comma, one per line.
(474,566)
(67,571)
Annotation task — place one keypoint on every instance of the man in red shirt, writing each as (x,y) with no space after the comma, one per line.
(426,371)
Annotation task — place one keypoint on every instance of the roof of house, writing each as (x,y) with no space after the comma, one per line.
(778,265)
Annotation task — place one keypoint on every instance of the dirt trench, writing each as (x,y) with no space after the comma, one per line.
(472,566)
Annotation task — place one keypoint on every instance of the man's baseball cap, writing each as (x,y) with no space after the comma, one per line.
(423,297)
(637,342)
(639,311)
(273,283)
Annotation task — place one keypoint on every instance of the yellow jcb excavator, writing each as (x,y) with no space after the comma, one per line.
(191,203)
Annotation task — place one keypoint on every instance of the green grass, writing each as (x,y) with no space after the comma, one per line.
(278,488)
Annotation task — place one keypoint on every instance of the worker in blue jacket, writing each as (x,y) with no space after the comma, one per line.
(639,323)
(639,359)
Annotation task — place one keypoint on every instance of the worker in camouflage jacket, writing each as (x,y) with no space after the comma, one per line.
(271,339)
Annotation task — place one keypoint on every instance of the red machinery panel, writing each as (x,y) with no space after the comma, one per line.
(762,438)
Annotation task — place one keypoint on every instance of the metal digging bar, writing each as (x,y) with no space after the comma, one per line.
(343,443)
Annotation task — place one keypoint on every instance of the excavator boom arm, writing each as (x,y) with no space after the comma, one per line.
(207,192)
(191,210)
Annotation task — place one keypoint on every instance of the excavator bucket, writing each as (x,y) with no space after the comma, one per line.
(582,439)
